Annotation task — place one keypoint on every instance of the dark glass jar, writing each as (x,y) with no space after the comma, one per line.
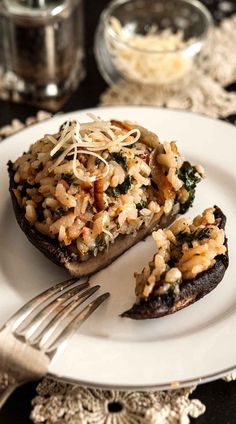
(42,50)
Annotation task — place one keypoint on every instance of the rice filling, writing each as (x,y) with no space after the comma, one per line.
(184,250)
(93,181)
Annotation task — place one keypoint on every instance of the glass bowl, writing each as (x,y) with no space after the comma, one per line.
(151,41)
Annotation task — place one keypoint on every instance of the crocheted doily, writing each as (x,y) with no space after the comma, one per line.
(204,94)
(59,403)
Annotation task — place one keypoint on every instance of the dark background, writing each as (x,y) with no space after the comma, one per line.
(219,396)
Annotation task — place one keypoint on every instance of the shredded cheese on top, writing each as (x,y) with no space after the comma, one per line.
(89,138)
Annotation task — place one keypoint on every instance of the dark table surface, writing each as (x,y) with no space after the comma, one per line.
(219,396)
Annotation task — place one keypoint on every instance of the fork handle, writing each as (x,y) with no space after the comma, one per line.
(7,386)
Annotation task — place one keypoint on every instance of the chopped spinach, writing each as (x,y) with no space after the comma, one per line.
(113,192)
(60,212)
(172,288)
(57,154)
(120,189)
(67,177)
(141,205)
(40,214)
(100,241)
(121,160)
(199,234)
(189,175)
(172,263)
(97,161)
(63,126)
(126,185)
(28,195)
(40,167)
(73,257)
(27,186)
(189,203)
(154,185)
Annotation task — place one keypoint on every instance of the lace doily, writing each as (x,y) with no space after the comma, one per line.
(205,94)
(59,403)
(16,125)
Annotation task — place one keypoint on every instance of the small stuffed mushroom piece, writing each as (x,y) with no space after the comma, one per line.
(191,260)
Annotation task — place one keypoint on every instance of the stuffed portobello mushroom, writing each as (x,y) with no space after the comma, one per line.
(191,260)
(86,194)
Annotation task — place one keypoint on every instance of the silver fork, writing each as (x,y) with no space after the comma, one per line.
(31,338)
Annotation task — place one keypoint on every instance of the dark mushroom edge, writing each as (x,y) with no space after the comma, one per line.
(190,290)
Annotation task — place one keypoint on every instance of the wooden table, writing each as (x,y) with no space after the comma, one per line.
(219,397)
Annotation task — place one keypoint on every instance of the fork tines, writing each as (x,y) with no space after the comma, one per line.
(51,317)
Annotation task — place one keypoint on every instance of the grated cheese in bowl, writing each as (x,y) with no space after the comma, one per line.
(158,57)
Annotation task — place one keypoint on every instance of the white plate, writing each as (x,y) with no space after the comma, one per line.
(193,345)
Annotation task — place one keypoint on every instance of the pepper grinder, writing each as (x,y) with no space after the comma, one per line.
(41,50)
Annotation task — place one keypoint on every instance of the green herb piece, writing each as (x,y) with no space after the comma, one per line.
(172,263)
(89,224)
(121,160)
(184,207)
(141,205)
(59,212)
(199,234)
(113,192)
(100,241)
(120,189)
(155,186)
(28,195)
(63,126)
(67,177)
(40,214)
(57,154)
(189,175)
(73,257)
(97,161)
(126,185)
(172,289)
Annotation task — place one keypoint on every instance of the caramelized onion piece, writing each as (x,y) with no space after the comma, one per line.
(99,195)
(147,137)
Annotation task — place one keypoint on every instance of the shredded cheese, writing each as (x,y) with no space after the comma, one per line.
(88,178)
(88,138)
(154,58)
